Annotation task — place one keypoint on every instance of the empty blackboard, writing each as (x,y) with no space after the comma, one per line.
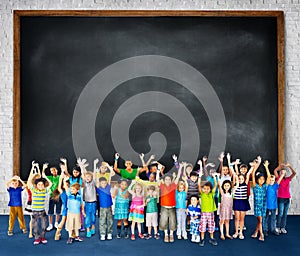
(92,83)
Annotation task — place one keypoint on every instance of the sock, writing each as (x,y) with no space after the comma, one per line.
(119,229)
(125,229)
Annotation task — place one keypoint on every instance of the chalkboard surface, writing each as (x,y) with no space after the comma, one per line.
(63,57)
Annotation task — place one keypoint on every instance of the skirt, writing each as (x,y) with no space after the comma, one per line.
(241,205)
(136,214)
(121,210)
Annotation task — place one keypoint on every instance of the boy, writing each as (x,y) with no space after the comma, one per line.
(151,212)
(15,204)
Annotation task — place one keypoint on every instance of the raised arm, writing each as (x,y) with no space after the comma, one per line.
(236,168)
(45,166)
(229,164)
(253,176)
(82,163)
(175,161)
(266,165)
(292,169)
(215,183)
(130,188)
(178,174)
(61,179)
(283,172)
(221,157)
(116,169)
(199,181)
(64,167)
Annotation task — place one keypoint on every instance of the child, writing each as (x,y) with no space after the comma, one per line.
(121,208)
(75,206)
(168,204)
(260,190)
(105,217)
(283,197)
(15,204)
(151,212)
(226,207)
(136,211)
(181,210)
(39,192)
(194,212)
(272,204)
(208,206)
(54,201)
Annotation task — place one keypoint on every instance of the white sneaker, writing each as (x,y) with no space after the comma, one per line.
(50,227)
(185,237)
(56,225)
(197,240)
(102,237)
(109,236)
(283,231)
(278,230)
(193,239)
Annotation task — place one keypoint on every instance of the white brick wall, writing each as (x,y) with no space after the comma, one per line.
(292,65)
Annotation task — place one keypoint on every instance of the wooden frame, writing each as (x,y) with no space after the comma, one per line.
(279,15)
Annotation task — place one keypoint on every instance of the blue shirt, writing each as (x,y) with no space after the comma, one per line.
(74,202)
(194,212)
(272,196)
(15,196)
(180,199)
(104,197)
(74,180)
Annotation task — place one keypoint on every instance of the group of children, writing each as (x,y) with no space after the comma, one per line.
(186,201)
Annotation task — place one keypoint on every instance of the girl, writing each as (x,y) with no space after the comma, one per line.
(208,206)
(194,212)
(284,196)
(260,193)
(121,208)
(136,212)
(181,194)
(226,207)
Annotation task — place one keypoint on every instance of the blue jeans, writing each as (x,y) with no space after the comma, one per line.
(90,211)
(270,214)
(283,207)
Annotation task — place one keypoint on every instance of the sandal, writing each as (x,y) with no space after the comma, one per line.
(241,237)
(222,237)
(229,236)
(171,239)
(235,235)
(254,235)
(261,238)
(166,239)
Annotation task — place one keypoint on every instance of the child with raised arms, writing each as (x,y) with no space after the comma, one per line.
(181,204)
(194,212)
(151,212)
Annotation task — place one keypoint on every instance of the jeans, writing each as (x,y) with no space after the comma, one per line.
(181,219)
(283,207)
(36,216)
(270,214)
(90,211)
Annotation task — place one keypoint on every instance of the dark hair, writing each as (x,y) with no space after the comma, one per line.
(152,165)
(226,181)
(193,173)
(151,187)
(102,179)
(258,175)
(243,166)
(121,180)
(76,168)
(40,180)
(167,175)
(208,184)
(196,196)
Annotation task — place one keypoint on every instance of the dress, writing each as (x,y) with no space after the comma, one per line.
(226,206)
(136,211)
(121,206)
(260,200)
(240,199)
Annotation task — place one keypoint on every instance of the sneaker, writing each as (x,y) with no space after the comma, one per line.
(278,230)
(10,233)
(109,236)
(132,237)
(24,231)
(201,243)
(118,236)
(193,240)
(50,227)
(78,238)
(70,240)
(179,237)
(276,233)
(93,232)
(197,239)
(157,236)
(266,234)
(102,237)
(82,229)
(213,241)
(141,236)
(185,237)
(283,231)
(36,241)
(88,234)
(56,224)
(126,236)
(148,236)
(44,240)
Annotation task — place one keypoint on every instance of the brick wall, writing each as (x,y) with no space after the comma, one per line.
(291,9)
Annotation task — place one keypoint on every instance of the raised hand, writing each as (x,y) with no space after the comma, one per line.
(259,159)
(63,160)
(266,164)
(204,159)
(211,165)
(199,162)
(174,158)
(228,156)
(117,155)
(221,156)
(96,161)
(237,161)
(45,166)
(141,156)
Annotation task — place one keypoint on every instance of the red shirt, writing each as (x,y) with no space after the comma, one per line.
(168,195)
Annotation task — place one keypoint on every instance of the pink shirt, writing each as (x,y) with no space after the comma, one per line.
(284,188)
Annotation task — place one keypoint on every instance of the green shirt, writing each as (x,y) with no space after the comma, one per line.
(55,181)
(151,205)
(207,202)
(128,175)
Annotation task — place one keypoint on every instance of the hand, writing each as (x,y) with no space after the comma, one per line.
(174,175)
(259,159)
(266,164)
(33,163)
(200,174)
(175,158)
(251,164)
(184,164)
(281,166)
(288,165)
(152,157)
(228,156)
(117,155)
(159,166)
(141,155)
(237,161)
(199,162)
(204,159)
(211,165)
(45,166)
(221,156)
(63,160)
(96,161)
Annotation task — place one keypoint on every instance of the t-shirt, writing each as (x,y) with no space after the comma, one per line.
(74,180)
(147,183)
(38,199)
(284,188)
(207,202)
(128,175)
(151,205)
(54,180)
(105,175)
(74,202)
(180,199)
(192,188)
(15,196)
(167,195)
(272,196)
(89,192)
(194,212)
(104,196)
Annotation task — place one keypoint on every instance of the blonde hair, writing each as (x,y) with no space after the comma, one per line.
(76,186)
(181,183)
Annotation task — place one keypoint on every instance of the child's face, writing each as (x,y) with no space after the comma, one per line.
(226,186)
(241,179)
(103,169)
(272,180)
(206,189)
(128,164)
(74,190)
(189,169)
(138,189)
(153,168)
(103,183)
(150,192)
(283,172)
(181,188)
(152,177)
(193,178)
(261,180)
(194,201)
(14,184)
(53,171)
(88,178)
(76,173)
(225,170)
(123,185)
(168,180)
(243,170)
(40,185)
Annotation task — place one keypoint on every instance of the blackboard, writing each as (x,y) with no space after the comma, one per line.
(89,84)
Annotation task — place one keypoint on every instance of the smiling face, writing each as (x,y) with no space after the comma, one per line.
(206,189)
(181,188)
(194,201)
(243,170)
(53,171)
(76,173)
(138,189)
(272,180)
(226,186)
(152,177)
(168,180)
(128,164)
(74,190)
(103,183)
(88,177)
(123,185)
(261,180)
(225,170)
(103,169)
(241,179)
(193,178)
(40,185)
(14,184)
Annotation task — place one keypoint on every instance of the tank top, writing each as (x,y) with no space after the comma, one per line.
(241,192)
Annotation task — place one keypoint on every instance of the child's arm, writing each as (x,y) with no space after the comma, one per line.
(96,170)
(266,165)
(61,178)
(184,178)
(283,172)
(293,171)
(253,176)
(236,168)
(199,182)
(175,161)
(82,163)
(111,173)
(64,167)
(215,183)
(178,174)
(229,164)
(22,182)
(116,169)
(278,168)
(236,182)
(130,188)
(204,160)
(45,166)
(221,157)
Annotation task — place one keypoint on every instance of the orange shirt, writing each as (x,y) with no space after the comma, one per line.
(168,195)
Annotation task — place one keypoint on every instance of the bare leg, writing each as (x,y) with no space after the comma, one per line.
(221,229)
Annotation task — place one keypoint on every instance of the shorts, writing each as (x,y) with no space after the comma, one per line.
(167,218)
(57,204)
(207,219)
(151,219)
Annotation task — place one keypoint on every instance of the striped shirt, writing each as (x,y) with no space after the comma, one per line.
(192,188)
(38,199)
(241,192)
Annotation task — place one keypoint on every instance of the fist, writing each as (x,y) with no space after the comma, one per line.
(117,155)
